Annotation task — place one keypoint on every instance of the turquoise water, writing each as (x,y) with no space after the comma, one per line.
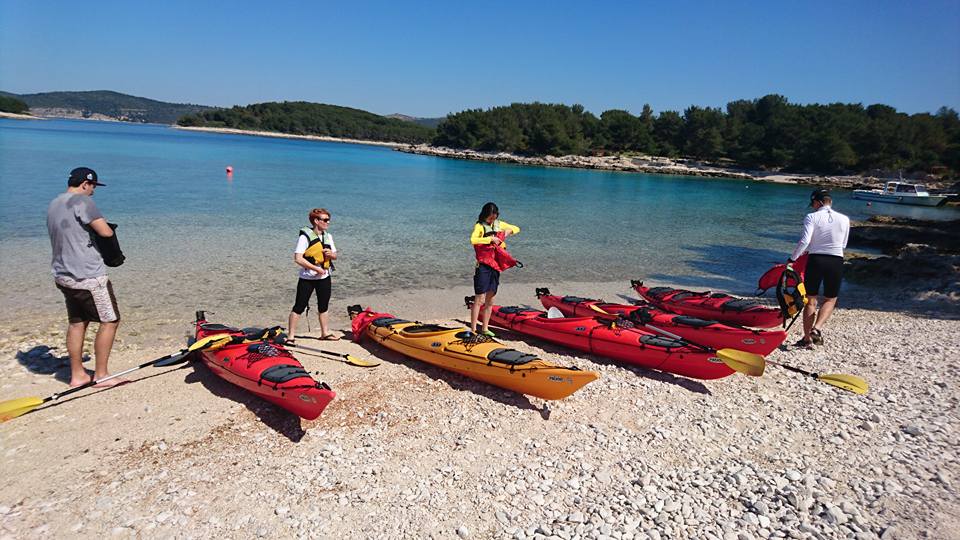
(400,220)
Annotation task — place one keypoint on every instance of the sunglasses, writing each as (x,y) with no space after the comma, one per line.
(327,220)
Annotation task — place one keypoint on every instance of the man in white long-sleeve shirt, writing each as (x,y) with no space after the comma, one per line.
(824,236)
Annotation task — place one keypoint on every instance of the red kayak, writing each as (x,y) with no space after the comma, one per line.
(702,332)
(630,345)
(264,368)
(710,305)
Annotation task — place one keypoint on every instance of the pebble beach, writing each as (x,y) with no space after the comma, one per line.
(407,450)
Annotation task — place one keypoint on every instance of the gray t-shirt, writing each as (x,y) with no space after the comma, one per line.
(74,253)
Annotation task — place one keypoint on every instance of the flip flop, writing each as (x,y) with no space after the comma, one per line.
(330,337)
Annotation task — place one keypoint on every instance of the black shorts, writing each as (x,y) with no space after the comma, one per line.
(485,280)
(826,269)
(306,287)
(95,303)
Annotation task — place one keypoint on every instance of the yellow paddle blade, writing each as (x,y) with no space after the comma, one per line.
(743,361)
(599,310)
(351,359)
(210,342)
(851,383)
(15,407)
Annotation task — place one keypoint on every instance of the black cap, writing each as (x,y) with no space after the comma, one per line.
(83,174)
(819,195)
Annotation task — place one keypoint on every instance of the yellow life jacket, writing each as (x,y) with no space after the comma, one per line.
(791,295)
(314,252)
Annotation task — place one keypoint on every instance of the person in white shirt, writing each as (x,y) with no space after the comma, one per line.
(825,234)
(314,254)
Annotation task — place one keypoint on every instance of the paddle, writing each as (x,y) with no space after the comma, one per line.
(851,383)
(347,358)
(741,361)
(13,408)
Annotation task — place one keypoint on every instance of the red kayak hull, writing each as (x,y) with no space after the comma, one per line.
(251,370)
(711,306)
(626,345)
(708,333)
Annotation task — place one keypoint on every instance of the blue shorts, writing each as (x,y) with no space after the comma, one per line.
(485,280)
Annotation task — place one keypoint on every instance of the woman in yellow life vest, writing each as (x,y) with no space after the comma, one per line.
(488,234)
(314,254)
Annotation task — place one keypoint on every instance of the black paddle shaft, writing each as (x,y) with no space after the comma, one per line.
(92,382)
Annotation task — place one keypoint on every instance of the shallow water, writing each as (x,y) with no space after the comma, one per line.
(400,221)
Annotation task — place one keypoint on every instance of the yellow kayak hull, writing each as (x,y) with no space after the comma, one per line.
(483,359)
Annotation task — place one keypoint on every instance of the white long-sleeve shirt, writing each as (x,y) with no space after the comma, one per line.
(825,232)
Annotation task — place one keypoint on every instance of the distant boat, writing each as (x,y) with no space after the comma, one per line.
(902,193)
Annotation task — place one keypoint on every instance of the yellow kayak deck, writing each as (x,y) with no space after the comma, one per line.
(479,357)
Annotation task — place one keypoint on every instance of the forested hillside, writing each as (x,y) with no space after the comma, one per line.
(302,118)
(768,133)
(105,103)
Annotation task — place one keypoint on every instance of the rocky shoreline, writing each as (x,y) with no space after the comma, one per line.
(407,450)
(652,165)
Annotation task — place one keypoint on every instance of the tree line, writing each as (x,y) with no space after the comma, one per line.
(766,133)
(12,105)
(302,118)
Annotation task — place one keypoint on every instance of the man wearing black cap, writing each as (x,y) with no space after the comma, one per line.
(79,272)
(824,236)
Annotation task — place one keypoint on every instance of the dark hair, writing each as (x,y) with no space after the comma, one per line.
(488,210)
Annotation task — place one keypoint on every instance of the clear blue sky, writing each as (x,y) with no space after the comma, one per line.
(429,59)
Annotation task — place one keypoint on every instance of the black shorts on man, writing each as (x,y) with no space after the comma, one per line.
(825,269)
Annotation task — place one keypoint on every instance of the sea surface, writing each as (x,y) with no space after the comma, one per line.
(400,221)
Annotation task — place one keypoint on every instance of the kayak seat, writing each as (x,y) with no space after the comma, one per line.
(515,309)
(574,300)
(253,333)
(217,327)
(425,328)
(511,357)
(387,321)
(660,291)
(659,341)
(283,373)
(691,321)
(740,304)
(641,316)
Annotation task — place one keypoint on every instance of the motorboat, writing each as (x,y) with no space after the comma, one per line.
(899,192)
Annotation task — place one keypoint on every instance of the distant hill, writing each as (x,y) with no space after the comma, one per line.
(303,118)
(426,122)
(104,105)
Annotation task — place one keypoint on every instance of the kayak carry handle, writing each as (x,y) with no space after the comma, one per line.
(469,301)
(634,283)
(542,291)
(354,310)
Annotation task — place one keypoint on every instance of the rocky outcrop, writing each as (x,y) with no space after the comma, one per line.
(922,256)
(649,165)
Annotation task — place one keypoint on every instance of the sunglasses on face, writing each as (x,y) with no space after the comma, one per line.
(325,220)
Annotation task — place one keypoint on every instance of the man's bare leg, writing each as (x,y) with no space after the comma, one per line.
(826,309)
(809,317)
(75,333)
(102,345)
